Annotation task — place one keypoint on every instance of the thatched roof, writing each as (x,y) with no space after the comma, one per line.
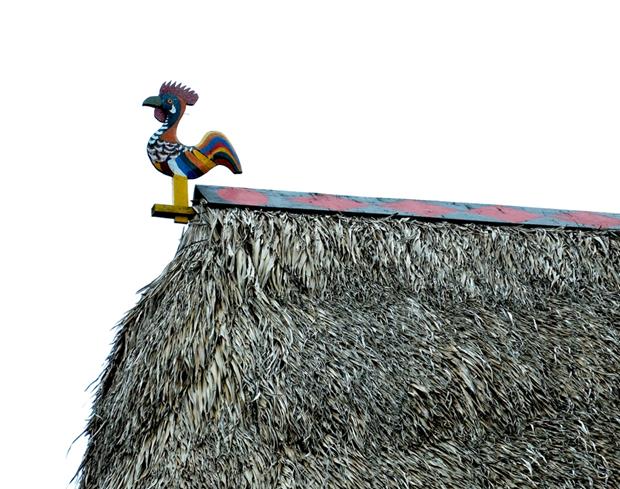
(295,350)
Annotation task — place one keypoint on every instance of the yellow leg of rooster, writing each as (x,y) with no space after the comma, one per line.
(180,210)
(179,196)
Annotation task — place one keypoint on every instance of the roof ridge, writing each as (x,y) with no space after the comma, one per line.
(311,202)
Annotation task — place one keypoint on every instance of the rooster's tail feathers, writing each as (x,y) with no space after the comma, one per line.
(217,148)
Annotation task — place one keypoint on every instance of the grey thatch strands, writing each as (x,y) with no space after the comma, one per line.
(286,350)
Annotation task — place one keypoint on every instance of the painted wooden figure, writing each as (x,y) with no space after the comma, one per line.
(169,156)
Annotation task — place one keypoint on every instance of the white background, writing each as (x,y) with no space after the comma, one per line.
(473,101)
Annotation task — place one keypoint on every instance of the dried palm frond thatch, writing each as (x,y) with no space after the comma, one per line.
(282,350)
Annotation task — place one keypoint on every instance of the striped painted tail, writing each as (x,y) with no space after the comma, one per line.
(217,148)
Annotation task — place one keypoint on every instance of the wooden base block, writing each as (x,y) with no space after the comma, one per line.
(180,214)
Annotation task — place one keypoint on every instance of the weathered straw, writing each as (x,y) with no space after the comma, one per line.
(282,350)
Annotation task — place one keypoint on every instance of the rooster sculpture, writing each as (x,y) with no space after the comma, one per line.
(169,156)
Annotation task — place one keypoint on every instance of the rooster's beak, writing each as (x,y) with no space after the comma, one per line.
(152,102)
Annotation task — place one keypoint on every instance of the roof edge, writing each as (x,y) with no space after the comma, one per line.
(428,210)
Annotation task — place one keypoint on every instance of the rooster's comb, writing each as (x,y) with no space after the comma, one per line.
(180,91)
